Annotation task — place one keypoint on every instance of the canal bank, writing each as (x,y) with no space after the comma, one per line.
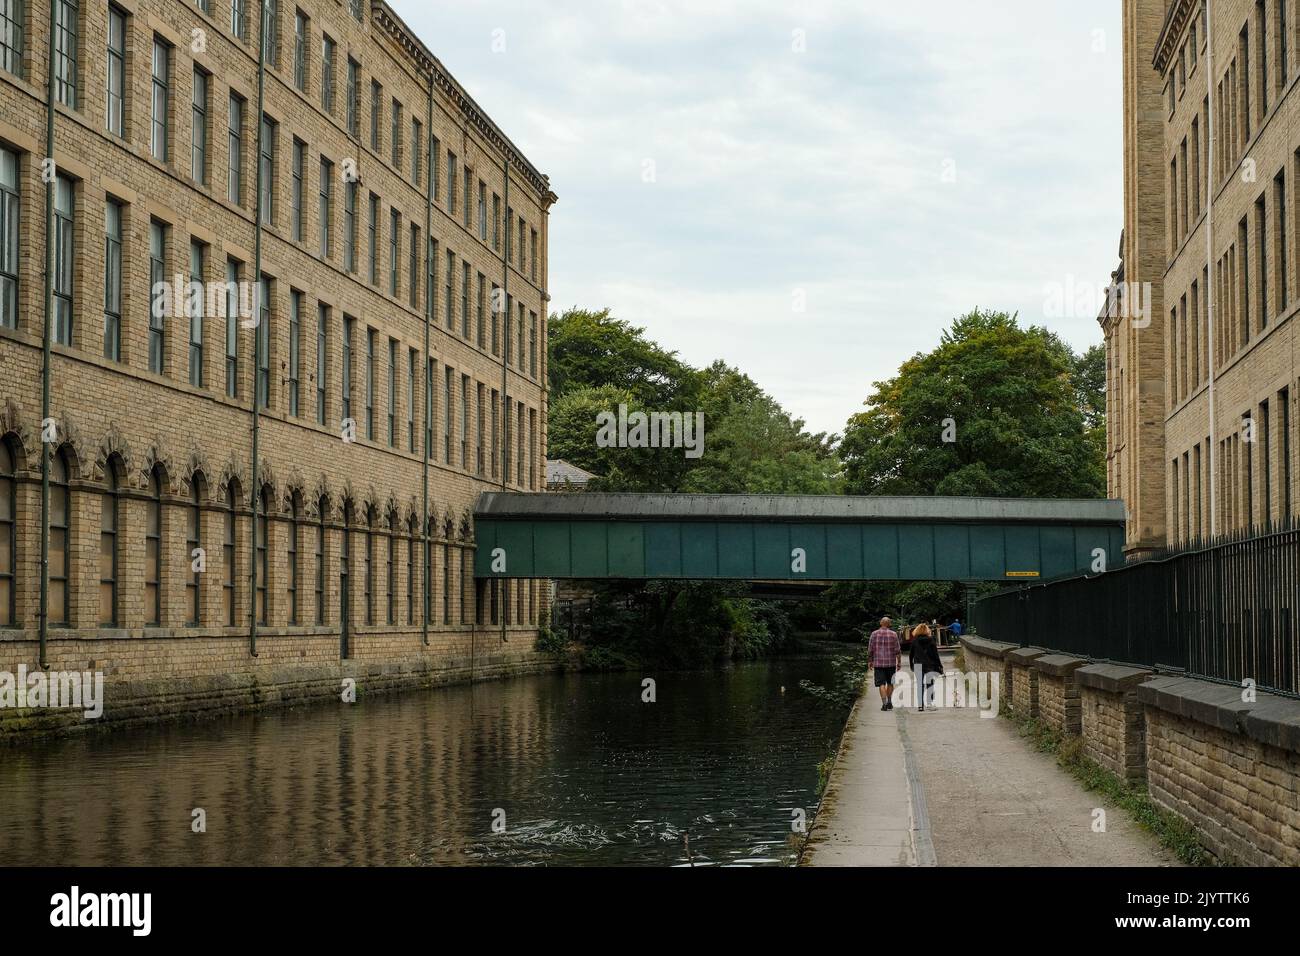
(215,676)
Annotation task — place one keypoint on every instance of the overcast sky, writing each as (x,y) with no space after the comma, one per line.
(809,191)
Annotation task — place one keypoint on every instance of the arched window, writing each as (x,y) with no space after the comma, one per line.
(153,551)
(108,549)
(8,535)
(193,549)
(369,566)
(446,583)
(322,510)
(292,551)
(262,565)
(229,579)
(428,572)
(466,588)
(392,569)
(58,590)
(412,569)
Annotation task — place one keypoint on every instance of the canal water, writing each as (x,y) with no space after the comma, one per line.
(558,769)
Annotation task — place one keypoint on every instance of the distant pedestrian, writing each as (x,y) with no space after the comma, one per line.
(886,655)
(923,659)
(955,628)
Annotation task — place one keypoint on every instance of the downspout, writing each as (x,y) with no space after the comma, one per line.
(428,318)
(1209,254)
(257,316)
(50,183)
(505,351)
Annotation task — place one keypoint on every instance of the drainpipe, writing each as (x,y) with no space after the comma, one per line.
(1209,254)
(428,318)
(505,351)
(257,315)
(44,623)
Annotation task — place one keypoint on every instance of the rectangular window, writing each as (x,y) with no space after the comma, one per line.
(394,251)
(1284,406)
(271,25)
(1281,45)
(532,344)
(395,134)
(410,399)
(370,384)
(350,225)
(413,291)
(417,149)
(199,129)
(9,238)
(532,257)
(392,393)
(113,280)
(482,211)
(235,146)
(116,84)
(65,52)
(447,428)
(481,318)
(322,361)
(469,196)
(1281,255)
(449,296)
(301,37)
(64,259)
(464,422)
(298,211)
(428,409)
(451,183)
(264,343)
(435,173)
(496,223)
(510,231)
(372,227)
(157,296)
(496,432)
(11,35)
(161,100)
(479,410)
(464,300)
(1266,460)
(295,344)
(348,325)
(194,300)
(238,19)
(354,97)
(232,329)
(326,210)
(376,113)
(496,309)
(327,74)
(1261,273)
(270,130)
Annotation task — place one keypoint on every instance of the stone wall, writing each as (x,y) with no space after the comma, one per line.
(1111,720)
(988,657)
(1058,694)
(1024,679)
(1229,767)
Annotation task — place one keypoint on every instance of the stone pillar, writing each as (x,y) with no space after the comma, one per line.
(1024,679)
(1058,692)
(1111,721)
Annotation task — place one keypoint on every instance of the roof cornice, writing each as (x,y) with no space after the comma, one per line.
(397,30)
(1176,17)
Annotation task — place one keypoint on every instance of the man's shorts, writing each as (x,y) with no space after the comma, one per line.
(884,675)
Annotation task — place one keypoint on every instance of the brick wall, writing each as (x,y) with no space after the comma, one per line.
(1058,694)
(1024,679)
(1111,719)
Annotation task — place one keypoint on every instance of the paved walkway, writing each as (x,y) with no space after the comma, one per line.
(947,787)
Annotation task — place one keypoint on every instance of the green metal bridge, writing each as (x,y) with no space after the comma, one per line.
(792,537)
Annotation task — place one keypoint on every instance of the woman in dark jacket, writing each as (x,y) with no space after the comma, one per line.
(924,651)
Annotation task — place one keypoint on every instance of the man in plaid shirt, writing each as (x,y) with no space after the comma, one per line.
(886,655)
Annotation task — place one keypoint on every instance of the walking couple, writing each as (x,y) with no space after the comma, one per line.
(886,654)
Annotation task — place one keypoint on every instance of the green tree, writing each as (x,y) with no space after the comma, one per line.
(593,349)
(994,410)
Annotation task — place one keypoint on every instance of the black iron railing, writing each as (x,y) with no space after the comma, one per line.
(1224,610)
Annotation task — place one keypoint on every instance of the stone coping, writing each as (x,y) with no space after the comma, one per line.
(985,647)
(1025,656)
(1269,719)
(1112,678)
(1059,665)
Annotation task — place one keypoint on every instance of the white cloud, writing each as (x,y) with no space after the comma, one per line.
(819,170)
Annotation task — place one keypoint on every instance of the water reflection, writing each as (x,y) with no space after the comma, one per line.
(581,769)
